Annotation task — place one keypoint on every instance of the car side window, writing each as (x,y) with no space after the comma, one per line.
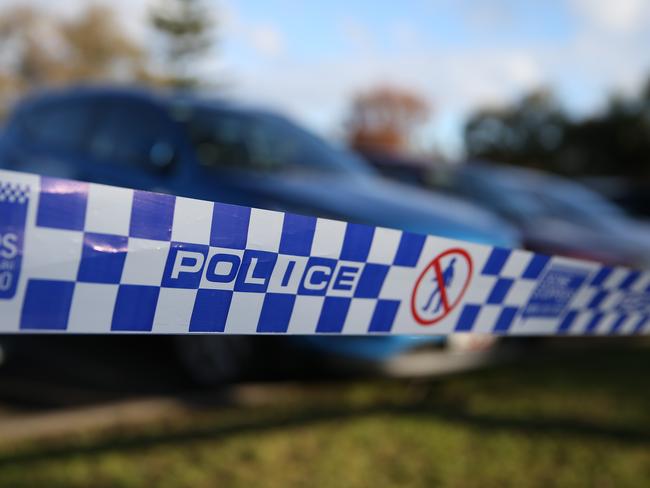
(230,139)
(132,133)
(261,142)
(60,124)
(221,139)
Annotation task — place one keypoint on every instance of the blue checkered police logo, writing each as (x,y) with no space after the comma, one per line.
(14,198)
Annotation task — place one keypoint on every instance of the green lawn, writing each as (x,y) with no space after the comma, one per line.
(578,419)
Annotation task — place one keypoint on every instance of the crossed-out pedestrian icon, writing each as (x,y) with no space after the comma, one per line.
(441,286)
(447,278)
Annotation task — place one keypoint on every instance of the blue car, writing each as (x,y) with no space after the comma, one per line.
(218,150)
(555,215)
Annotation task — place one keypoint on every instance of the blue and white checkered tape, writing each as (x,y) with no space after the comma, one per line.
(87,258)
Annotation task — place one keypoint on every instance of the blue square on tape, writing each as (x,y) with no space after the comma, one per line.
(598,298)
(601,276)
(567,322)
(62,204)
(409,249)
(553,293)
(592,325)
(383,316)
(333,314)
(357,242)
(276,312)
(496,261)
(371,280)
(297,234)
(499,291)
(102,258)
(535,267)
(467,318)
(135,308)
(629,280)
(152,216)
(229,226)
(506,317)
(616,326)
(46,305)
(210,311)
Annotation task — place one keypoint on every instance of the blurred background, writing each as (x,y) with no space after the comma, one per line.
(494,121)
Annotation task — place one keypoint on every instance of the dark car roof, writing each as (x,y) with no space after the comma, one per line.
(156,96)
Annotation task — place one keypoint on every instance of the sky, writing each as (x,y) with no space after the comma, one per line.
(309,60)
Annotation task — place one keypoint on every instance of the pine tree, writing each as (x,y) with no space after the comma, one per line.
(187,27)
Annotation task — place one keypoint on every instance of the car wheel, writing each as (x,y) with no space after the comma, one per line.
(212,360)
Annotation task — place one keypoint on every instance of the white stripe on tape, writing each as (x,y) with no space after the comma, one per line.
(89,258)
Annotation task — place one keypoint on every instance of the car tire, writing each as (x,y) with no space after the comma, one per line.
(212,360)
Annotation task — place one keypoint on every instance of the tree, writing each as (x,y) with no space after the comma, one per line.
(97,49)
(536,132)
(614,143)
(385,119)
(187,28)
(26,59)
(524,133)
(43,50)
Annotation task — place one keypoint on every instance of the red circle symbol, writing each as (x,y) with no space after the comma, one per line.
(441,284)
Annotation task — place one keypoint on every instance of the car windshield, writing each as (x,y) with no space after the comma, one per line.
(575,203)
(262,141)
(507,197)
(533,196)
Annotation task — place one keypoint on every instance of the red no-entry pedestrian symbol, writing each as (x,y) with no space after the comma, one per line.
(441,286)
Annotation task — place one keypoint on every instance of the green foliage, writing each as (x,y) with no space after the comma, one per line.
(536,132)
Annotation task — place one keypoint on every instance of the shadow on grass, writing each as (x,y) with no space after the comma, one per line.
(563,427)
(620,373)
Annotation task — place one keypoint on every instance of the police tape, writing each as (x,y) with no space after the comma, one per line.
(88,258)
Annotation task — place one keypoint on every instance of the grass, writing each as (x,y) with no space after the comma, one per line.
(578,419)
